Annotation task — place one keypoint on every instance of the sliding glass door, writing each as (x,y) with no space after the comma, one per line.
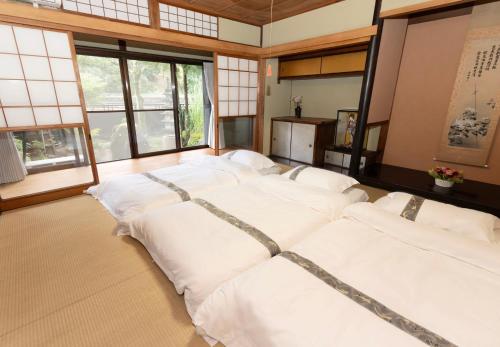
(102,87)
(142,106)
(191,105)
(152,106)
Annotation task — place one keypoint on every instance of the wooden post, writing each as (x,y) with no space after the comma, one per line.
(216,104)
(260,117)
(154,14)
(86,126)
(366,92)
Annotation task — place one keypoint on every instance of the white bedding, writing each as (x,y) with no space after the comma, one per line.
(198,250)
(128,196)
(442,282)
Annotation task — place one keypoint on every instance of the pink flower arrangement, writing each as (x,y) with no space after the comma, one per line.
(447,174)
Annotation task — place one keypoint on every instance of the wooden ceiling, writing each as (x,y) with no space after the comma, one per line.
(257,12)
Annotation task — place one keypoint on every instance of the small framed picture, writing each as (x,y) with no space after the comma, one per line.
(346,127)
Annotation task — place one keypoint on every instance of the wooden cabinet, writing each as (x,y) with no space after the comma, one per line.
(351,62)
(302,139)
(343,63)
(281,139)
(302,145)
(302,67)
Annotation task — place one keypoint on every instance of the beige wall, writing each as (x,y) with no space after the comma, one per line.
(230,30)
(392,4)
(321,98)
(386,75)
(428,70)
(338,17)
(276,104)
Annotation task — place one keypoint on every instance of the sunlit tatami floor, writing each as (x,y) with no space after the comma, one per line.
(47,181)
(67,281)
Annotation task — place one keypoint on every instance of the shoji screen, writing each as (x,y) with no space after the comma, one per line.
(135,11)
(181,19)
(238,85)
(38,80)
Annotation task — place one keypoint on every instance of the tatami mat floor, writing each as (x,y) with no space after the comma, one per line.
(66,280)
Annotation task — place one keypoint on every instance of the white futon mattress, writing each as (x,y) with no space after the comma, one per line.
(369,279)
(202,243)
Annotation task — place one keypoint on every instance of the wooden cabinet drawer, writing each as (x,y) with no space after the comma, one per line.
(343,63)
(302,67)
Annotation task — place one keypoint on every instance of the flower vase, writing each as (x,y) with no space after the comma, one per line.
(443,183)
(298,111)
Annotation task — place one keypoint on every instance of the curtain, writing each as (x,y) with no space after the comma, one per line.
(208,71)
(12,168)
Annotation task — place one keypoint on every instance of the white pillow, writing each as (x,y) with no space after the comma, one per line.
(259,162)
(469,223)
(321,178)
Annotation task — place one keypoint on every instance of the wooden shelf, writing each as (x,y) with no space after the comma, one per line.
(328,65)
(343,63)
(222,118)
(305,120)
(470,194)
(302,67)
(356,37)
(422,7)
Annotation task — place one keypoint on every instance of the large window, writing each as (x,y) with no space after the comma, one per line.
(191,107)
(51,149)
(105,102)
(153,105)
(141,107)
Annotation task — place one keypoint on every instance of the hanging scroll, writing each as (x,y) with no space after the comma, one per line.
(474,109)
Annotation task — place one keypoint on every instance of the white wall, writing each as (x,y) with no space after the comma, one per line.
(277,104)
(321,98)
(392,4)
(341,16)
(230,30)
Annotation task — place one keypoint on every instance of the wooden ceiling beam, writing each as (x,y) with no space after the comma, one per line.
(93,25)
(343,39)
(422,7)
(63,20)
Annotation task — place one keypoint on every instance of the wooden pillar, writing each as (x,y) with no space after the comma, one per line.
(366,92)
(216,104)
(154,14)
(259,119)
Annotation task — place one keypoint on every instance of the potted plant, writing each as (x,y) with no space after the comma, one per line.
(446,177)
(297,101)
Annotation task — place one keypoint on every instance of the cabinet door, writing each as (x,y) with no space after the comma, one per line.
(343,63)
(282,133)
(303,67)
(303,142)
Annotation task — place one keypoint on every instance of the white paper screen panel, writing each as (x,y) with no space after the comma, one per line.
(181,19)
(38,81)
(134,11)
(238,86)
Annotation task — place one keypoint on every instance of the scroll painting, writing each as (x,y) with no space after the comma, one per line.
(474,109)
